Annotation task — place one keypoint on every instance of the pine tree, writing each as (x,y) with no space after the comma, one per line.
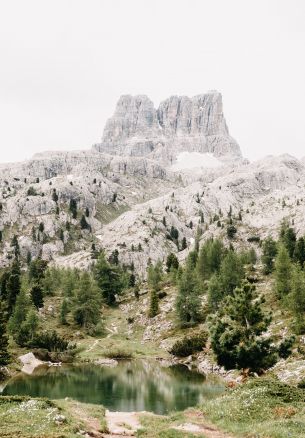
(64,310)
(237,332)
(282,272)
(231,272)
(215,292)
(299,251)
(172,262)
(87,212)
(86,309)
(297,299)
(19,315)
(15,245)
(37,295)
(154,277)
(268,256)
(183,244)
(288,238)
(83,223)
(4,354)
(73,208)
(109,279)
(188,304)
(13,285)
(153,304)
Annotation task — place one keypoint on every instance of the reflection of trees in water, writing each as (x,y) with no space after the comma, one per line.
(134,385)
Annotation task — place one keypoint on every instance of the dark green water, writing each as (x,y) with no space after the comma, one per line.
(131,386)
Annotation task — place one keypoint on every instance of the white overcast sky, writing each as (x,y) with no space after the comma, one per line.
(64,63)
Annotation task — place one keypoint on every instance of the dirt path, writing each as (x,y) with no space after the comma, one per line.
(92,424)
(122,423)
(197,423)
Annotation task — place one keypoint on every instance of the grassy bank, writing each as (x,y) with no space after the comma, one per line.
(26,417)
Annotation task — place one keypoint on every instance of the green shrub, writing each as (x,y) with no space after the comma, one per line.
(189,344)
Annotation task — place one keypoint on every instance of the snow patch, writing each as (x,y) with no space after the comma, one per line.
(191,160)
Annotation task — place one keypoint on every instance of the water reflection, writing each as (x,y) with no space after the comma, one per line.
(131,386)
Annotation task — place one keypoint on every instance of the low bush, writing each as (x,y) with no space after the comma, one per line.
(189,344)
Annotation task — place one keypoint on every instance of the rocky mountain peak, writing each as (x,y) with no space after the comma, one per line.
(180,124)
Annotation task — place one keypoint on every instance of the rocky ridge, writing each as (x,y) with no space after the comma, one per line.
(130,197)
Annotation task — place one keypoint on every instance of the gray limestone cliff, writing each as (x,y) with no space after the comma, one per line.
(180,124)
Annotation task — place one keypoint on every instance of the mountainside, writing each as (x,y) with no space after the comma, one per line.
(130,191)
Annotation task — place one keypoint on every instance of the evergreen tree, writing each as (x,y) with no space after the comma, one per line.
(297,299)
(73,208)
(4,355)
(19,315)
(288,238)
(171,262)
(231,230)
(87,302)
(153,304)
(37,295)
(215,292)
(231,272)
(87,212)
(28,328)
(154,277)
(299,251)
(13,285)
(183,244)
(109,279)
(114,258)
(3,284)
(237,332)
(15,245)
(188,304)
(64,310)
(83,223)
(136,290)
(132,280)
(174,233)
(37,270)
(282,272)
(268,256)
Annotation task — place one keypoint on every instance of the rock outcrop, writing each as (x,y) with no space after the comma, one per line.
(180,124)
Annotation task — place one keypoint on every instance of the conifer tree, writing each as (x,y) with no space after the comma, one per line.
(109,279)
(4,354)
(297,299)
(282,272)
(16,321)
(153,304)
(299,251)
(231,272)
(171,262)
(268,256)
(87,301)
(64,310)
(237,330)
(188,304)
(288,238)
(37,295)
(13,285)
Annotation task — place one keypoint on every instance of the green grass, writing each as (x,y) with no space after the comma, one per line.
(157,426)
(260,408)
(27,417)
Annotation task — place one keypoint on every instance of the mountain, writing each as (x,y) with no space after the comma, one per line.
(155,170)
(179,124)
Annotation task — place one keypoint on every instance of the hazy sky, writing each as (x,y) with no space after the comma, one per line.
(64,63)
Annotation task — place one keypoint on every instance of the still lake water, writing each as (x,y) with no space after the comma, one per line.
(136,385)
